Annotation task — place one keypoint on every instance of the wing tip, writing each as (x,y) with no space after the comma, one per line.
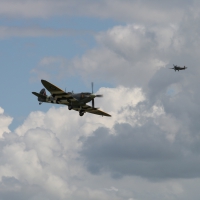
(43,81)
(106,114)
(35,93)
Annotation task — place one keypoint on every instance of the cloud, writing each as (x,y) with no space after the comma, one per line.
(126,55)
(150,144)
(128,11)
(41,157)
(129,55)
(38,165)
(141,139)
(163,140)
(133,55)
(46,156)
(5,121)
(167,115)
(139,151)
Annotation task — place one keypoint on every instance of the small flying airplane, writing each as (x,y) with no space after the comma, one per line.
(178,68)
(73,101)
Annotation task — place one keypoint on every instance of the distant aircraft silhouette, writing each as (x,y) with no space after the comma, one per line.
(178,68)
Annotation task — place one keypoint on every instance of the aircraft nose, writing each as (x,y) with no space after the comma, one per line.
(92,96)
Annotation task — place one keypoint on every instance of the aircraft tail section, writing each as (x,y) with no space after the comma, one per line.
(41,96)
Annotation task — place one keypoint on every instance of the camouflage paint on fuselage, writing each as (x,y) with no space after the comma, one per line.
(75,101)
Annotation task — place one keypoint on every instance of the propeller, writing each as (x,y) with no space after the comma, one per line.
(98,95)
(93,103)
(173,67)
(92,86)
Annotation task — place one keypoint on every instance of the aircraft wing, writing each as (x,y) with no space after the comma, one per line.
(98,112)
(92,110)
(57,92)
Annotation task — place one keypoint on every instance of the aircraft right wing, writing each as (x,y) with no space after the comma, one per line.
(92,110)
(98,112)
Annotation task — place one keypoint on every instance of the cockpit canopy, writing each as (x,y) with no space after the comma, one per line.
(82,95)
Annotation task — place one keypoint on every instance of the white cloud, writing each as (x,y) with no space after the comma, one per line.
(44,150)
(126,55)
(37,159)
(5,121)
(152,134)
(43,153)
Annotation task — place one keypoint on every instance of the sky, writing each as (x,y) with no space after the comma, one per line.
(149,148)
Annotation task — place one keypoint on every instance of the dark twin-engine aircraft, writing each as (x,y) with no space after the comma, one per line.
(178,68)
(73,101)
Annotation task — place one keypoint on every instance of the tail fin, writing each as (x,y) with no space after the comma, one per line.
(42,96)
(43,92)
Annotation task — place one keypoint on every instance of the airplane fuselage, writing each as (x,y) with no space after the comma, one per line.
(82,98)
(75,101)
(178,68)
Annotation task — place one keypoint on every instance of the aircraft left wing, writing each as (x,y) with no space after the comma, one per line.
(92,110)
(57,92)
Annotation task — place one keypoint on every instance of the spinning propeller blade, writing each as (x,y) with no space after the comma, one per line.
(92,87)
(98,95)
(93,103)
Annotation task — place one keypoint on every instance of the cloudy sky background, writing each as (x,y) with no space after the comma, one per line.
(149,149)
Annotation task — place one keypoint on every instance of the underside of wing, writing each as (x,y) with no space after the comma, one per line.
(98,112)
(57,92)
(92,110)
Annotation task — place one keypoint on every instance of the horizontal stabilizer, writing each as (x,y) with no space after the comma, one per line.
(39,95)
